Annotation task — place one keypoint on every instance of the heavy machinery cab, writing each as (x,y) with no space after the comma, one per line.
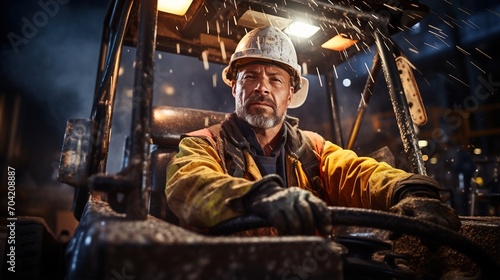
(126,227)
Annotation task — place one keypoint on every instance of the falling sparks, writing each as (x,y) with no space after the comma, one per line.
(459,80)
(469,24)
(434,47)
(493,12)
(369,73)
(319,77)
(440,38)
(446,22)
(204,56)
(480,51)
(304,69)
(436,34)
(453,21)
(223,50)
(464,11)
(335,71)
(479,68)
(434,27)
(214,80)
(472,23)
(396,9)
(426,81)
(462,50)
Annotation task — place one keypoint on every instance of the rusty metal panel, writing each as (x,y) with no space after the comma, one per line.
(76,154)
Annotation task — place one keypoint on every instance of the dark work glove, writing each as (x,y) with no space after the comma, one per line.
(418,196)
(292,211)
(428,209)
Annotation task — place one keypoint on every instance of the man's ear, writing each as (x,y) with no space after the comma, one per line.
(233,88)
(291,92)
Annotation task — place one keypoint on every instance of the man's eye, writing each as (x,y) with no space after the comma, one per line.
(248,76)
(276,80)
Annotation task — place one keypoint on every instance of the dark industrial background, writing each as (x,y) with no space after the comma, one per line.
(48,73)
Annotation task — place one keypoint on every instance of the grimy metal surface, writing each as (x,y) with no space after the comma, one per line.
(442,262)
(106,244)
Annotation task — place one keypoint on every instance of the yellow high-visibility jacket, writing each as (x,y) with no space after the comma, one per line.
(200,181)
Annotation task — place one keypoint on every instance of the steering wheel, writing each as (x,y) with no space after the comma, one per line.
(386,221)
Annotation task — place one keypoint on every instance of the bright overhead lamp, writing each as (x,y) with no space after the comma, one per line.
(176,7)
(254,19)
(422,143)
(302,30)
(339,43)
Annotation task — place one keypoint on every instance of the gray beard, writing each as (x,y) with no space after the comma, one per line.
(259,121)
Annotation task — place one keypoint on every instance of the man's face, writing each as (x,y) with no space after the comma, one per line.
(262,93)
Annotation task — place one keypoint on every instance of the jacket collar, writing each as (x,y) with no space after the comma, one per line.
(294,144)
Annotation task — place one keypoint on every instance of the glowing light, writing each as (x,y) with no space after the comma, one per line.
(416,28)
(253,19)
(338,43)
(477,151)
(168,89)
(479,181)
(422,143)
(176,7)
(346,82)
(302,30)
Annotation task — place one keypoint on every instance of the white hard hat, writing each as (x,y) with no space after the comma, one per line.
(269,44)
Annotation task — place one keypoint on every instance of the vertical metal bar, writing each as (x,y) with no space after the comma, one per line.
(337,128)
(141,110)
(115,25)
(102,56)
(472,196)
(398,100)
(109,111)
(104,98)
(111,22)
(365,99)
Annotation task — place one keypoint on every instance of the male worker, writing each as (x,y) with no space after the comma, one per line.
(258,162)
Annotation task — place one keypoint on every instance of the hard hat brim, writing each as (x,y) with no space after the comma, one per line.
(301,95)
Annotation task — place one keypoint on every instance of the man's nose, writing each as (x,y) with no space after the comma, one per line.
(262,86)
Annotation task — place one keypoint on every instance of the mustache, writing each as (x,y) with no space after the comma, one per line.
(261,98)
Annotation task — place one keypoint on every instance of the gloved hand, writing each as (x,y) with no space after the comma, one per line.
(418,196)
(428,209)
(291,210)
